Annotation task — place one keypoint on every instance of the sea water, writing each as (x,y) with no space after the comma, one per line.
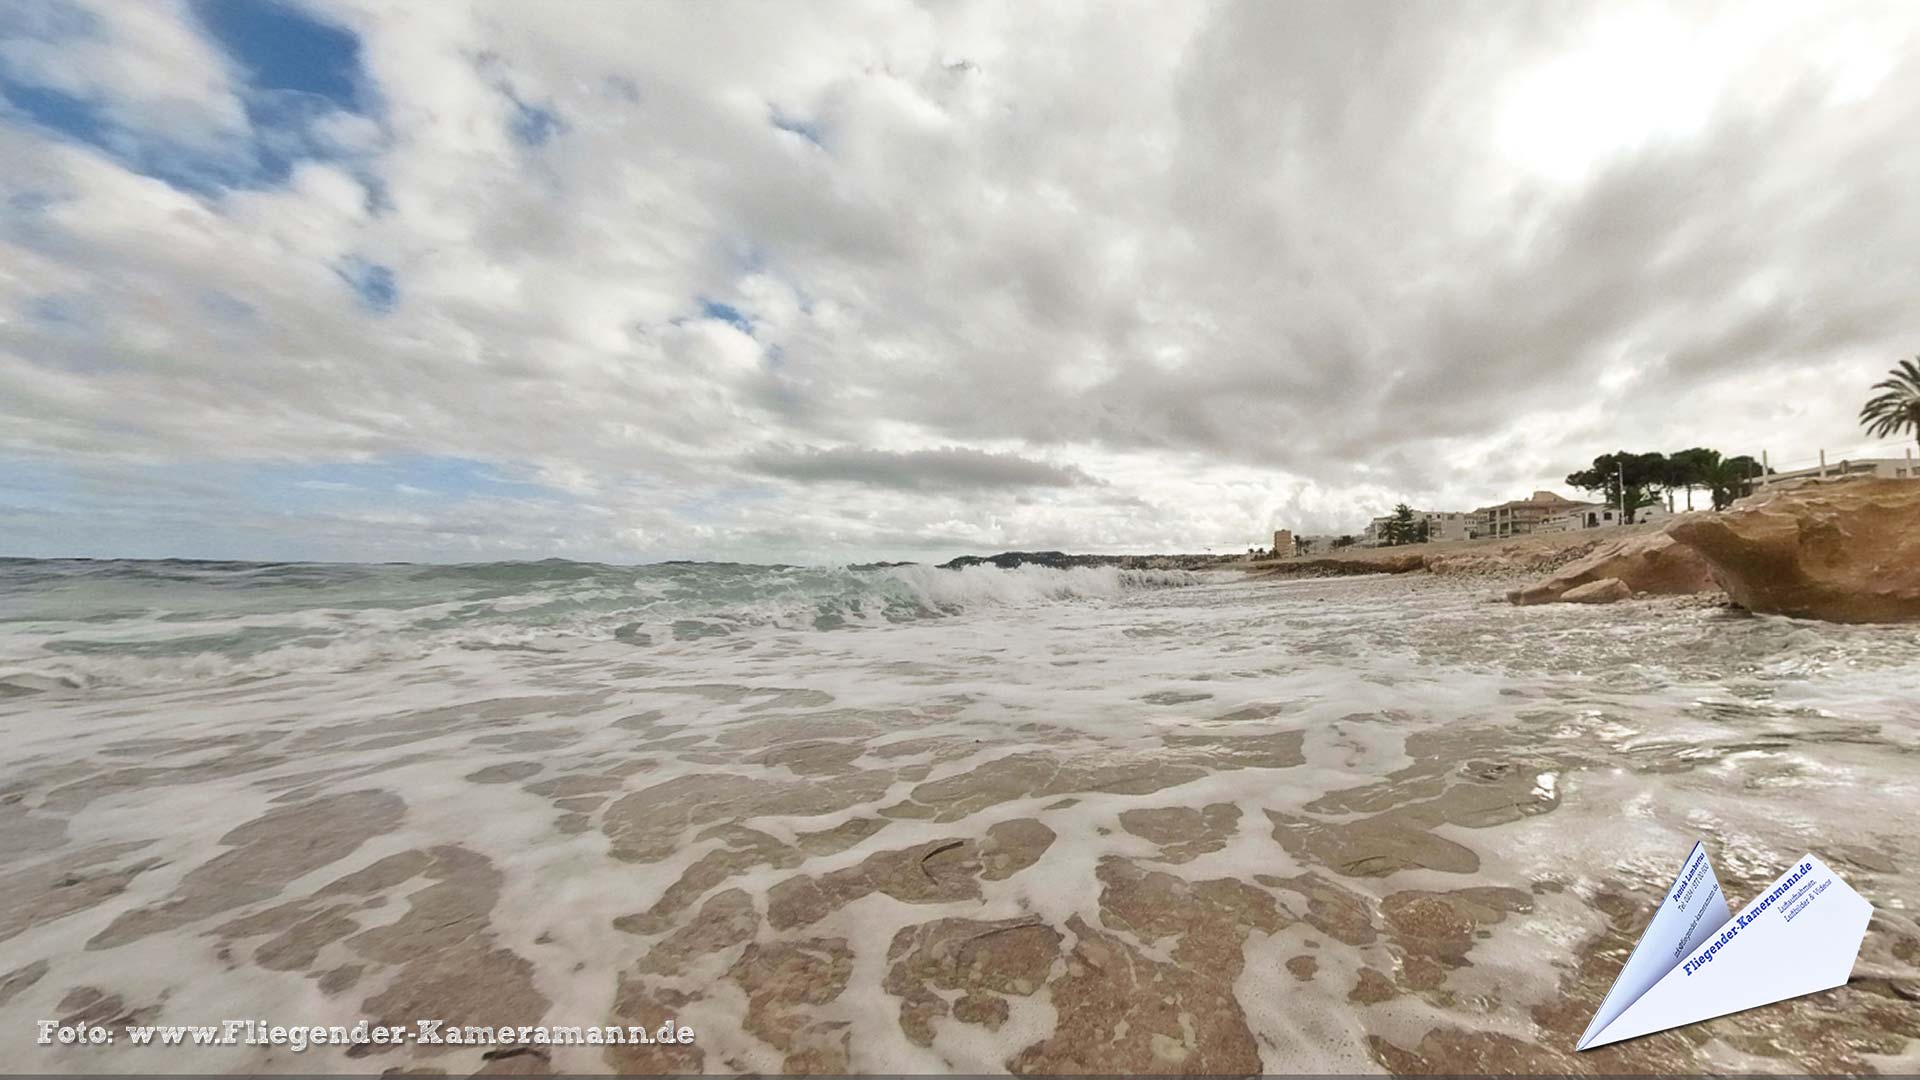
(1236,824)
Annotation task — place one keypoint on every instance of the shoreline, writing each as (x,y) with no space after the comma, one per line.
(1327,827)
(1531,553)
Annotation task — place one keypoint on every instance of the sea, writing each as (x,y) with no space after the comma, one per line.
(902,818)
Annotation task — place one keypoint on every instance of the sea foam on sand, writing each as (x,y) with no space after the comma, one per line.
(1082,826)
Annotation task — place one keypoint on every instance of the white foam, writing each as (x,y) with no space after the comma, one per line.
(1357,666)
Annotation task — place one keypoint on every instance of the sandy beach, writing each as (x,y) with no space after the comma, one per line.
(749,538)
(1232,825)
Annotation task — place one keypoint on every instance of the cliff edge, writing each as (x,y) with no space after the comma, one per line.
(1842,551)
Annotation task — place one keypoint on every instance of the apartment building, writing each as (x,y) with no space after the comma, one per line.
(1521,516)
(1441,525)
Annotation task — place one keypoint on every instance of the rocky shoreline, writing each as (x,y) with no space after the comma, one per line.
(1060,560)
(1512,558)
(1838,551)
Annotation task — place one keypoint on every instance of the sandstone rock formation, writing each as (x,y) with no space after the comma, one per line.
(1843,551)
(1604,591)
(1644,563)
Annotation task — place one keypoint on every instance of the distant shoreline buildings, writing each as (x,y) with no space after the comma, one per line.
(1440,525)
(1599,516)
(1549,512)
(1885,468)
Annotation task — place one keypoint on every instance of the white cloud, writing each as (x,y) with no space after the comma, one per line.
(144,64)
(1244,265)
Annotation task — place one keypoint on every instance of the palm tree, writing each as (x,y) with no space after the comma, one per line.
(1898,408)
(1732,479)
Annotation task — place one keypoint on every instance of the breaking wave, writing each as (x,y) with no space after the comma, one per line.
(79,624)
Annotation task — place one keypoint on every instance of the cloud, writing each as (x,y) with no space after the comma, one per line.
(146,67)
(949,468)
(870,281)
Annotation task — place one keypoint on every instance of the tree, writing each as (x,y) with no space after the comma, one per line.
(1732,479)
(1897,408)
(1346,540)
(1423,531)
(1400,526)
(1629,480)
(1691,469)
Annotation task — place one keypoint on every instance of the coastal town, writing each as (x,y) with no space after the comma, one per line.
(1834,543)
(1662,493)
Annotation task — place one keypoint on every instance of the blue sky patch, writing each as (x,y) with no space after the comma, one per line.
(298,70)
(282,48)
(372,283)
(532,125)
(286,131)
(198,170)
(54,109)
(714,309)
(528,123)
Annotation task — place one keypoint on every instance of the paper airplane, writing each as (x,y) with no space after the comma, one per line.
(1697,960)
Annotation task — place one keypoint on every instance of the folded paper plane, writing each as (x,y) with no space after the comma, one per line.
(1698,960)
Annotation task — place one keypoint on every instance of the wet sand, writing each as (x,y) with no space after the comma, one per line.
(1345,826)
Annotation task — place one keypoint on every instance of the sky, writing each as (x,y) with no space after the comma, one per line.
(343,280)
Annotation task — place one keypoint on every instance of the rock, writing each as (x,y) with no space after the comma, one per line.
(978,964)
(20,978)
(1184,833)
(1604,591)
(1842,551)
(935,872)
(263,856)
(1122,1009)
(516,1061)
(785,982)
(1644,563)
(639,1005)
(1060,560)
(1398,562)
(1537,553)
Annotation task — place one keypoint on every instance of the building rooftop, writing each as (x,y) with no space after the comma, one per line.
(1542,499)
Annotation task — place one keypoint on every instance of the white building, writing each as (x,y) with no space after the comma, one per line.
(1600,516)
(1886,468)
(1441,525)
(1520,516)
(1318,544)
